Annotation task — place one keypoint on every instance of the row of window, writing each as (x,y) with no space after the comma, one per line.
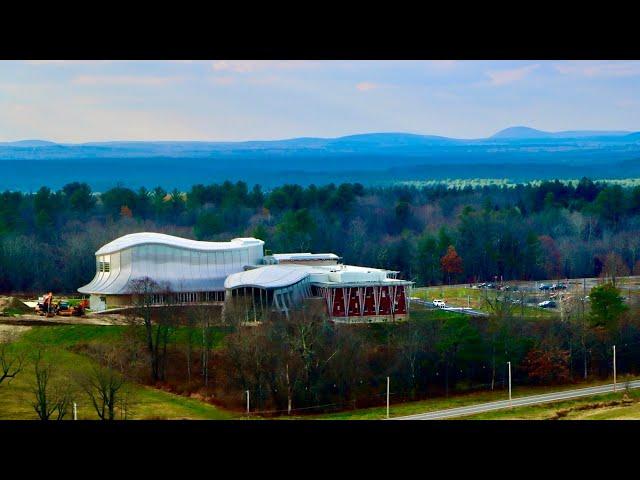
(188,297)
(104,266)
(164,254)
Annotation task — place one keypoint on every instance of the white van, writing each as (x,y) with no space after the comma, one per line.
(439,303)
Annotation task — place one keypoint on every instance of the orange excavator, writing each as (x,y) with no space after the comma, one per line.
(46,307)
(65,310)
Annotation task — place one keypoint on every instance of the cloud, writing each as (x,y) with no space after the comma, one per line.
(505,77)
(125,80)
(223,80)
(66,63)
(77,121)
(249,66)
(442,64)
(599,69)
(367,86)
(628,103)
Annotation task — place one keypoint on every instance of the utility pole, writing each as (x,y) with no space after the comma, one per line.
(614,368)
(247,403)
(75,411)
(509,364)
(387,397)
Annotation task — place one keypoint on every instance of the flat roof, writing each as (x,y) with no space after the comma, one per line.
(305,256)
(280,276)
(269,276)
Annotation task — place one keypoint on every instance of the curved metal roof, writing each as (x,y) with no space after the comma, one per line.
(143,238)
(270,276)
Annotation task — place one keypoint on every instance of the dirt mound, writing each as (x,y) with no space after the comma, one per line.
(11,332)
(15,305)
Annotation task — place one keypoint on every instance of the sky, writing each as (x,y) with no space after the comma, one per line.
(227,100)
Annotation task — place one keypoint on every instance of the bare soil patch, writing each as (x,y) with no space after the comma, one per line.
(10,332)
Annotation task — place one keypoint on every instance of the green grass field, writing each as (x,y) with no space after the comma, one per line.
(146,403)
(591,408)
(462,400)
(149,403)
(463,296)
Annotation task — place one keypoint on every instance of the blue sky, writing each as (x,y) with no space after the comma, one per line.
(77,101)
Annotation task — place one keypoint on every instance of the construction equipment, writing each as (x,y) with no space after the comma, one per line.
(45,306)
(65,310)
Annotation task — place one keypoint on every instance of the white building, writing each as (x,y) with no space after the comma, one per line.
(195,271)
(351,294)
(189,271)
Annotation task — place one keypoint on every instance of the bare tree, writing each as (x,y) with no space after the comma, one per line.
(10,364)
(200,317)
(50,398)
(410,344)
(500,313)
(191,333)
(103,385)
(614,266)
(157,324)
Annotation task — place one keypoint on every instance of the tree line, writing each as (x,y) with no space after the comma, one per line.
(302,363)
(530,231)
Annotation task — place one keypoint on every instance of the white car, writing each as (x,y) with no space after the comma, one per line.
(439,303)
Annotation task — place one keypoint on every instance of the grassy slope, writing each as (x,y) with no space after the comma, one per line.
(548,410)
(411,408)
(15,397)
(457,296)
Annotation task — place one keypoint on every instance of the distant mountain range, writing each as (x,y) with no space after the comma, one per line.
(364,140)
(519,153)
(528,133)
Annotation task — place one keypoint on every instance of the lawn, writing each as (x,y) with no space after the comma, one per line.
(68,335)
(146,402)
(591,408)
(464,296)
(462,400)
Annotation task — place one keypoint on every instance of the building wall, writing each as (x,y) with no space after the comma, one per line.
(174,268)
(366,303)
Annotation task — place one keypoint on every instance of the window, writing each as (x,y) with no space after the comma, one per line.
(104,266)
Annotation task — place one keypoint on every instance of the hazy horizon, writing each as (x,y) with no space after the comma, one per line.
(224,100)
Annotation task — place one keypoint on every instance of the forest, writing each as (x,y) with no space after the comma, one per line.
(303,363)
(548,230)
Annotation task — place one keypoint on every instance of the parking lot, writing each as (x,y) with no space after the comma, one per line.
(530,297)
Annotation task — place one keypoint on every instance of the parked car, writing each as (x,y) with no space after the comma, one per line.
(558,286)
(509,288)
(439,303)
(547,304)
(544,286)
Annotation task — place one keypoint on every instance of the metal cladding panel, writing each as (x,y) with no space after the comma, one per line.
(146,238)
(385,301)
(338,304)
(270,276)
(103,277)
(173,265)
(114,270)
(401,303)
(125,272)
(369,302)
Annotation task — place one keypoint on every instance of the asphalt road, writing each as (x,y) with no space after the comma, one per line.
(518,402)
